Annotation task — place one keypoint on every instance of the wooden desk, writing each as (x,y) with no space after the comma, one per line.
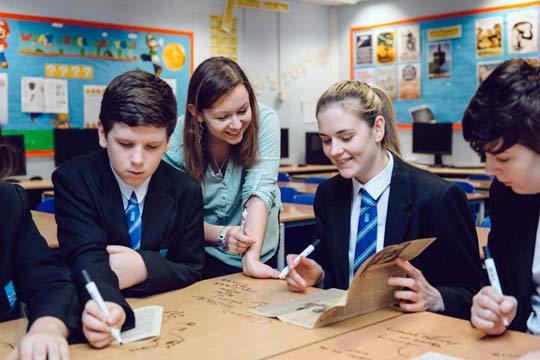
(477,184)
(297,214)
(302,177)
(452,172)
(308,169)
(301,187)
(411,335)
(36,184)
(46,225)
(210,320)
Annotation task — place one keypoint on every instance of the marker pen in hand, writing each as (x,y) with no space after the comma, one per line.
(243,221)
(492,275)
(96,296)
(283,274)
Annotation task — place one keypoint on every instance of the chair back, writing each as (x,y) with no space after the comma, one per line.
(465,186)
(283,177)
(306,199)
(480,177)
(46,206)
(486,223)
(315,179)
(287,193)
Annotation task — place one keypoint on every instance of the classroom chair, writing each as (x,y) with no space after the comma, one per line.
(306,199)
(287,193)
(46,206)
(315,179)
(480,177)
(283,177)
(469,188)
(486,223)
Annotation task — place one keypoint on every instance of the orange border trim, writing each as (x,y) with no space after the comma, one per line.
(455,126)
(39,153)
(428,18)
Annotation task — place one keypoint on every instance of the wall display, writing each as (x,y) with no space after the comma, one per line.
(51,61)
(223,43)
(441,59)
(3,98)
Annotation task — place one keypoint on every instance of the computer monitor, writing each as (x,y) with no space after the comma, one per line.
(284,143)
(422,114)
(17,153)
(432,138)
(314,150)
(69,143)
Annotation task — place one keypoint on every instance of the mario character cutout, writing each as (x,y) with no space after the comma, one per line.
(4,33)
(152,55)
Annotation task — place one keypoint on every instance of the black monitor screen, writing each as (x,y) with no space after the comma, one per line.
(284,143)
(69,143)
(432,138)
(16,144)
(314,150)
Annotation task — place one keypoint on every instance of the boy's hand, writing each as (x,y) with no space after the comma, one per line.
(97,327)
(303,275)
(46,339)
(489,309)
(128,266)
(420,295)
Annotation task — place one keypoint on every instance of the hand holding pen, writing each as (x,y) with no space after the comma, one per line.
(302,272)
(240,238)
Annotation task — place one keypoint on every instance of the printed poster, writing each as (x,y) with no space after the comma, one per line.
(439,60)
(56,96)
(386,47)
(523,32)
(489,37)
(409,81)
(32,94)
(483,70)
(92,104)
(409,43)
(387,80)
(3,98)
(365,75)
(364,49)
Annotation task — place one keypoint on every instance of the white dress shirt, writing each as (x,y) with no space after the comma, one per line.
(127,190)
(379,189)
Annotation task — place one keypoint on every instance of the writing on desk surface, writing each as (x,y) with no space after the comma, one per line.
(228,294)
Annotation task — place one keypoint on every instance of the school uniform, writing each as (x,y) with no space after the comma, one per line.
(512,243)
(29,271)
(91,215)
(418,205)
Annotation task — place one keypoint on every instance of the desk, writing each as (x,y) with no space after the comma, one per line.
(301,187)
(308,169)
(302,177)
(209,320)
(46,225)
(477,184)
(36,184)
(452,172)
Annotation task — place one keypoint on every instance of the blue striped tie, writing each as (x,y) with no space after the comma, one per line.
(366,236)
(134,221)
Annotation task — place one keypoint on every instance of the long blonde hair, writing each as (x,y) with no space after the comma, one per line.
(368,102)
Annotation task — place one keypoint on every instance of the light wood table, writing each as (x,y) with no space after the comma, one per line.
(36,184)
(301,187)
(302,177)
(307,169)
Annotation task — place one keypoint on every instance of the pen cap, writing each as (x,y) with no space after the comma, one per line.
(316,242)
(85,276)
(487,254)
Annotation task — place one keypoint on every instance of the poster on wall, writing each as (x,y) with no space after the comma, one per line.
(489,37)
(32,94)
(364,50)
(3,98)
(386,47)
(439,60)
(409,43)
(409,81)
(387,80)
(56,96)
(522,32)
(92,104)
(365,75)
(483,69)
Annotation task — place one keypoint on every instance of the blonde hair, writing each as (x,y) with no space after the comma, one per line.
(368,102)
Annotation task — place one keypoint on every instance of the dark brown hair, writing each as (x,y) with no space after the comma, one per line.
(213,79)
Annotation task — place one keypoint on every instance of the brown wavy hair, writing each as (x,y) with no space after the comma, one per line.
(213,79)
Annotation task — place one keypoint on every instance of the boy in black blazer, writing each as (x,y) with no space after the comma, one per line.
(132,221)
(503,122)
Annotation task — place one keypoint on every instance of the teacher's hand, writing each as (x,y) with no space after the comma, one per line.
(238,243)
(255,268)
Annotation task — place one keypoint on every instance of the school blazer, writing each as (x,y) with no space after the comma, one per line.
(420,205)
(40,278)
(512,238)
(90,216)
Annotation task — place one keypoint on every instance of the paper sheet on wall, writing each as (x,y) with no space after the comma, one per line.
(56,96)
(32,94)
(3,98)
(172,84)
(368,291)
(148,320)
(92,104)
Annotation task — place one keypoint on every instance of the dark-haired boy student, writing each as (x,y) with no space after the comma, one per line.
(131,220)
(503,121)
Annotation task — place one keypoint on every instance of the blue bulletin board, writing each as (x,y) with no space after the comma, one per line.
(88,55)
(440,60)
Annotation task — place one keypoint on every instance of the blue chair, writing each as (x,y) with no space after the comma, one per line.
(465,186)
(480,177)
(306,199)
(315,179)
(46,206)
(287,193)
(486,222)
(283,177)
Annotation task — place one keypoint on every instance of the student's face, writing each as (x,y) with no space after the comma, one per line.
(134,151)
(352,146)
(517,167)
(228,118)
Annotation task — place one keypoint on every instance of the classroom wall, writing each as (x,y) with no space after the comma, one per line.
(268,43)
(375,12)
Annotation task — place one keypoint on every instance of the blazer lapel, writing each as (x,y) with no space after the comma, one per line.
(399,204)
(112,206)
(158,210)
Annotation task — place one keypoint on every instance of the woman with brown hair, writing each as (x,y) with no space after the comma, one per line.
(230,143)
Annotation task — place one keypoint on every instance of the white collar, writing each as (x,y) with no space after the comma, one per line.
(376,185)
(126,190)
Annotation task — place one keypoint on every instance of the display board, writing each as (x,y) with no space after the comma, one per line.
(53,71)
(440,60)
